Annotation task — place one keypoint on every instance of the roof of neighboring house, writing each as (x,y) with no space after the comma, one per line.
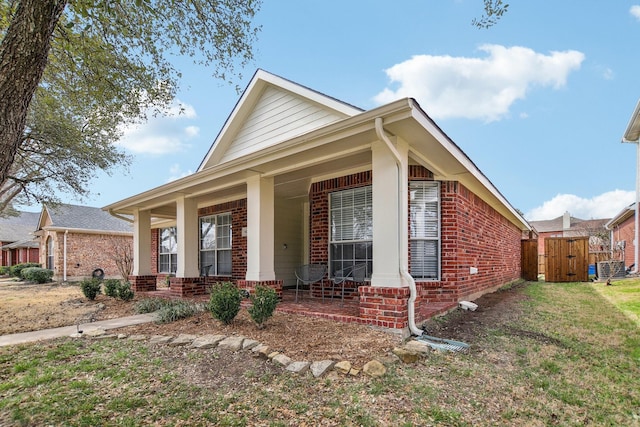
(20,227)
(556,224)
(626,213)
(85,218)
(30,243)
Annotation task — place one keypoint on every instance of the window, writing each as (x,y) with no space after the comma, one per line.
(215,244)
(351,222)
(49,253)
(424,207)
(168,250)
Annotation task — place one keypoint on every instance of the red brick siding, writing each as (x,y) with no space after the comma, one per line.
(85,253)
(626,232)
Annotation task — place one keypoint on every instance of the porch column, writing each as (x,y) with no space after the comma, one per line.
(141,243)
(260,229)
(389,221)
(187,237)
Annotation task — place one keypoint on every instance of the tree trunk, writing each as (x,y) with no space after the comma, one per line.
(23,57)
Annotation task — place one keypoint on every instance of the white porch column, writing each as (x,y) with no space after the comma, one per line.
(389,215)
(141,243)
(260,229)
(187,237)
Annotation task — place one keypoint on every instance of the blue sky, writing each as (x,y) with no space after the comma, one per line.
(539,102)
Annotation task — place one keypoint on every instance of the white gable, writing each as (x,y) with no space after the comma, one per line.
(277,116)
(273,110)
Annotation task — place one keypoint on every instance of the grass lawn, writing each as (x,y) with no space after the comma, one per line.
(570,357)
(625,295)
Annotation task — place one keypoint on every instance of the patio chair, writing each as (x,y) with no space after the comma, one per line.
(309,274)
(353,273)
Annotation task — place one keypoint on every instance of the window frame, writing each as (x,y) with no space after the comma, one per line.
(172,254)
(414,238)
(366,243)
(221,221)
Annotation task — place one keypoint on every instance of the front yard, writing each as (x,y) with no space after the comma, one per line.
(541,354)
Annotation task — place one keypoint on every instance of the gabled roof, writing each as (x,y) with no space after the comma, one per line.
(81,218)
(626,213)
(556,224)
(29,243)
(271,110)
(16,228)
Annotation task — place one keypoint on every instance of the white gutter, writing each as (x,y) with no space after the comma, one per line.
(117,215)
(402,231)
(632,135)
(64,257)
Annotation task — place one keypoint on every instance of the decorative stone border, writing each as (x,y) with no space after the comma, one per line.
(409,353)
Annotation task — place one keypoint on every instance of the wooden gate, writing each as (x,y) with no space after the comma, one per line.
(529,259)
(567,259)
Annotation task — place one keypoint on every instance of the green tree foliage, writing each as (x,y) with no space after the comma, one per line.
(109,64)
(493,11)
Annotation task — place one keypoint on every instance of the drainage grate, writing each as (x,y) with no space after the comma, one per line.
(442,344)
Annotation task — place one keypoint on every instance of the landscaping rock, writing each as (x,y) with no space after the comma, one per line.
(138,337)
(281,359)
(248,344)
(374,369)
(207,341)
(94,332)
(231,343)
(298,367)
(343,367)
(405,355)
(318,369)
(418,346)
(182,339)
(160,339)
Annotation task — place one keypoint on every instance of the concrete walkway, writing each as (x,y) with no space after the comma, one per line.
(66,331)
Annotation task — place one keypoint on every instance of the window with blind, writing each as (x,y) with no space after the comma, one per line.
(167,250)
(351,224)
(424,213)
(215,244)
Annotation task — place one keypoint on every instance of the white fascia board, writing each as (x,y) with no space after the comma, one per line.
(632,133)
(626,213)
(85,231)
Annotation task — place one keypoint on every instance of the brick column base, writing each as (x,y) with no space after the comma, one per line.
(142,283)
(187,286)
(385,307)
(250,285)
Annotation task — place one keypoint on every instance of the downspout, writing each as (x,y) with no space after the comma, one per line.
(122,217)
(64,257)
(413,292)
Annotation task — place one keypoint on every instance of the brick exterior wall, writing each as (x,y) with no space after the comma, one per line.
(85,253)
(626,232)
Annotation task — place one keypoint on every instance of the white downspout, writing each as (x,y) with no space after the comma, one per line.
(64,257)
(413,292)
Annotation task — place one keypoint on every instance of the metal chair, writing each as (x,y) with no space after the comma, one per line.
(309,274)
(353,273)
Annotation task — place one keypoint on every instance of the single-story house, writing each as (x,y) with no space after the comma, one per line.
(297,177)
(570,226)
(17,242)
(623,228)
(76,240)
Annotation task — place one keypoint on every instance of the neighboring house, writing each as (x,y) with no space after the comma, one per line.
(569,226)
(17,242)
(77,240)
(298,177)
(622,228)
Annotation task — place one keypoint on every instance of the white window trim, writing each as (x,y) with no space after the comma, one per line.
(438,239)
(215,251)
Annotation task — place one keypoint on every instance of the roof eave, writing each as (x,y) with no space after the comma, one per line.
(632,132)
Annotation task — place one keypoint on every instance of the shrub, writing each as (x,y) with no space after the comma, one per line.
(178,309)
(149,305)
(37,274)
(111,287)
(16,270)
(91,288)
(264,302)
(4,270)
(124,291)
(224,302)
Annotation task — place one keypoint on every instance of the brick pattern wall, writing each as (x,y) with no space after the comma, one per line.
(250,286)
(385,307)
(143,283)
(626,232)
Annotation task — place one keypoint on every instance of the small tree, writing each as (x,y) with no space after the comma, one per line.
(121,252)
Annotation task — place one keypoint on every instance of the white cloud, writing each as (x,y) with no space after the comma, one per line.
(161,134)
(635,11)
(176,172)
(478,88)
(605,205)
(608,74)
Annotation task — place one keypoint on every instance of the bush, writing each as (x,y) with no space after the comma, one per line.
(37,274)
(111,287)
(4,270)
(16,270)
(90,288)
(178,309)
(264,302)
(124,291)
(149,305)
(224,302)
